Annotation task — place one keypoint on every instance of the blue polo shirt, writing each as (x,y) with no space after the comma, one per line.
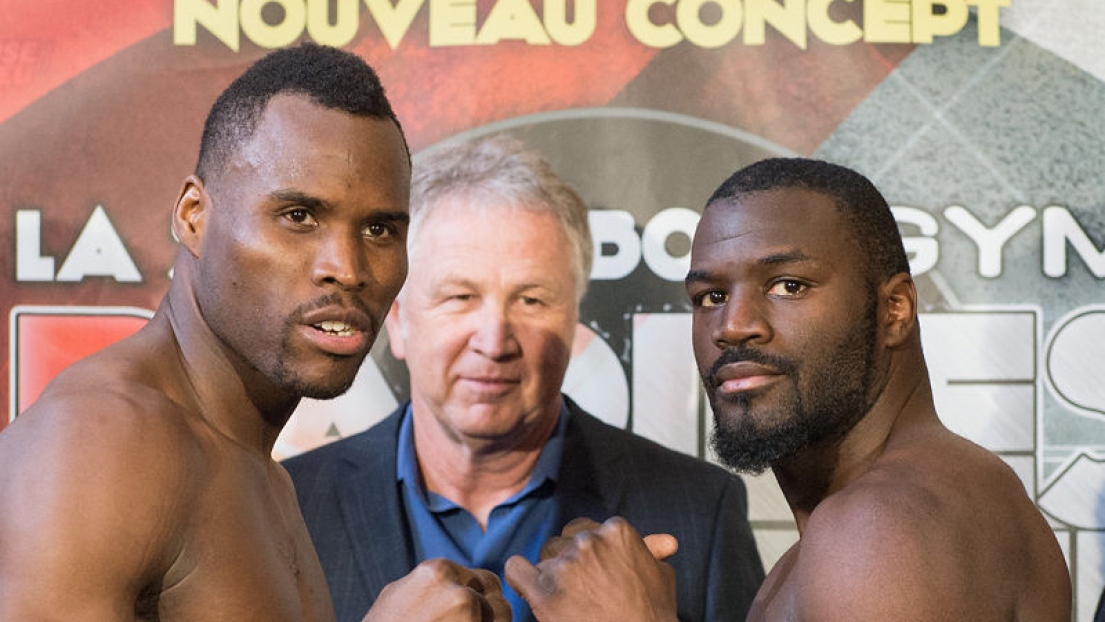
(517,526)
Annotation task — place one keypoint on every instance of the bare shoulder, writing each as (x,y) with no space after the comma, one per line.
(943,534)
(95,479)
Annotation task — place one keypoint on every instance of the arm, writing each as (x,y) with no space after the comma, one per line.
(84,511)
(886,556)
(605,572)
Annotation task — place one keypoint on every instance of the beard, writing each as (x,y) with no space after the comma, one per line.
(829,394)
(282,369)
(287,376)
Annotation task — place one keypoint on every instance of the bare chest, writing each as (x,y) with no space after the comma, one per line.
(245,556)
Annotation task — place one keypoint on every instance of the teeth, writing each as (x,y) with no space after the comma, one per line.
(337,328)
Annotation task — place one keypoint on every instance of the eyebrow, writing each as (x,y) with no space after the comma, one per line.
(774,259)
(299,198)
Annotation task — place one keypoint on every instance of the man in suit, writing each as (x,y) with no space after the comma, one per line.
(489,459)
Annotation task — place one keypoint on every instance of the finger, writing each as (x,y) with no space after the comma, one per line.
(579,525)
(554,546)
(661,545)
(500,608)
(525,578)
(483,581)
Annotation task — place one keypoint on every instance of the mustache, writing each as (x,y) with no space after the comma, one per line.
(741,354)
(335,299)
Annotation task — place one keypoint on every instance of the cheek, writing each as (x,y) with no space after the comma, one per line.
(434,343)
(389,269)
(548,350)
(704,350)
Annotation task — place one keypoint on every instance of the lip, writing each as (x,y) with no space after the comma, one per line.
(356,339)
(744,376)
(491,383)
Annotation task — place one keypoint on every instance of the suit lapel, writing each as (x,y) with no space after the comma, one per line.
(588,483)
(371,507)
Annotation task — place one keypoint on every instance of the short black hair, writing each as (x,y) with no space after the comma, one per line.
(330,77)
(863,207)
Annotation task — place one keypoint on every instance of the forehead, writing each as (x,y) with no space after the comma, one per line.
(771,222)
(298,142)
(460,229)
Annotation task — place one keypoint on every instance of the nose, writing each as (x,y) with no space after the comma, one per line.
(341,261)
(742,320)
(493,335)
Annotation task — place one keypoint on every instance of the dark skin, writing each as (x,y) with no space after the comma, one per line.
(599,572)
(892,515)
(140,485)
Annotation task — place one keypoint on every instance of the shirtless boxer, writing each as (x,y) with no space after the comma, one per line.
(140,485)
(805,333)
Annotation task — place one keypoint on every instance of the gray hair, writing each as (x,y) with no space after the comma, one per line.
(501,168)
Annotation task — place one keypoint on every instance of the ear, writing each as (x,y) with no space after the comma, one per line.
(396,332)
(190,214)
(897,309)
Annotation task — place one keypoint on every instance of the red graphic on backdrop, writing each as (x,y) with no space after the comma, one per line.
(49,340)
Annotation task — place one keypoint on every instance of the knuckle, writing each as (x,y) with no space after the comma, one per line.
(435,569)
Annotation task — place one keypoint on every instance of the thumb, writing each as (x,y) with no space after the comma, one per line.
(661,545)
(523,576)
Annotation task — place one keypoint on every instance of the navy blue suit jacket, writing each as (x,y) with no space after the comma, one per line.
(349,494)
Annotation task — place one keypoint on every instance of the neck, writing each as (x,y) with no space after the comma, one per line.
(221,388)
(477,473)
(903,407)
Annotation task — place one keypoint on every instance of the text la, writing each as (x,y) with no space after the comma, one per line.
(97,252)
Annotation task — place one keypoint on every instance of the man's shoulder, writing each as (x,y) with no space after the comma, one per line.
(642,454)
(123,452)
(91,406)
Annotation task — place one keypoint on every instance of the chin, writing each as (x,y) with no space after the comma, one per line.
(326,388)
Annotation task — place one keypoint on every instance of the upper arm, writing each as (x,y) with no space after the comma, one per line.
(878,559)
(88,491)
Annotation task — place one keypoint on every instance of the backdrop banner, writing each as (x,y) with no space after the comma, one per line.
(980,120)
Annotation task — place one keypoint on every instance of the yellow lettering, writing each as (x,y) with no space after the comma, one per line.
(268,35)
(886,21)
(221,20)
(788,18)
(395,21)
(644,30)
(827,30)
(345,24)
(989,30)
(927,23)
(688,14)
(452,22)
(513,19)
(582,27)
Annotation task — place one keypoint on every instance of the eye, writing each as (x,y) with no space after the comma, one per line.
(301,216)
(380,230)
(709,298)
(788,288)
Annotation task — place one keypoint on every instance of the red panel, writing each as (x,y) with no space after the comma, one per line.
(48,344)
